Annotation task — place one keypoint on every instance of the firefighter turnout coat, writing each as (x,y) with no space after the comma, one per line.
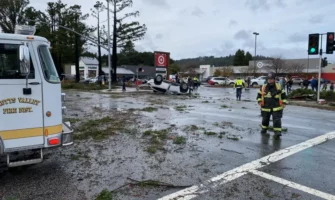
(272,98)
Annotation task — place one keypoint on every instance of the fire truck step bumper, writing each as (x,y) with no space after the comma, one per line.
(24,162)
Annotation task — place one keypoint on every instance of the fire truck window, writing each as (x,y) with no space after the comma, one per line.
(48,66)
(10,63)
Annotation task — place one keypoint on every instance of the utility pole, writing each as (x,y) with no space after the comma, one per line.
(307,62)
(114,43)
(255,33)
(320,66)
(77,55)
(109,51)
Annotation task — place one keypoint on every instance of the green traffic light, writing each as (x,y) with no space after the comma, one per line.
(312,50)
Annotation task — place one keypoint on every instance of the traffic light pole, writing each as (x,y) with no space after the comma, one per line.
(320,66)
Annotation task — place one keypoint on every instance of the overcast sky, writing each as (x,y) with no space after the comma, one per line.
(193,28)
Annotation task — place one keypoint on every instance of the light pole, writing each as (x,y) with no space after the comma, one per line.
(255,33)
(109,50)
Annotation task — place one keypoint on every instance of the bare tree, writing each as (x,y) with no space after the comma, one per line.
(278,65)
(297,68)
(247,71)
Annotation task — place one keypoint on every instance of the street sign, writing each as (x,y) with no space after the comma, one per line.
(259,64)
(161,60)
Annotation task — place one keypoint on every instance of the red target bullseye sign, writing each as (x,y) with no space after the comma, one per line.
(161,60)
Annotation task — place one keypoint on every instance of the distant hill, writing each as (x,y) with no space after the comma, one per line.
(211,60)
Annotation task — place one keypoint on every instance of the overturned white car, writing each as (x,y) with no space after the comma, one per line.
(158,84)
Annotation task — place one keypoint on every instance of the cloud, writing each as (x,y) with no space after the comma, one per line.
(297,37)
(242,35)
(197,12)
(256,5)
(233,22)
(316,19)
(158,3)
(228,45)
(159,36)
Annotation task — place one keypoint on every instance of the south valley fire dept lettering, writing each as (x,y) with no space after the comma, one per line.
(29,101)
(9,110)
(9,101)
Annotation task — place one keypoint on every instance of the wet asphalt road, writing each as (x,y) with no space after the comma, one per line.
(112,161)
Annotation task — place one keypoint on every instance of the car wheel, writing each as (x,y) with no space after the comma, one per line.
(158,79)
(254,84)
(183,87)
(216,83)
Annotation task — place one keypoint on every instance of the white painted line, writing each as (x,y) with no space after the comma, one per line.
(294,185)
(194,191)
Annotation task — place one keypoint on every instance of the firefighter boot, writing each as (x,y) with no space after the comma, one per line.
(278,134)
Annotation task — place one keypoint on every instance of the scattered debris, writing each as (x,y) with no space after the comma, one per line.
(179,140)
(233,137)
(149,109)
(224,106)
(205,102)
(209,133)
(231,151)
(105,195)
(244,108)
(181,108)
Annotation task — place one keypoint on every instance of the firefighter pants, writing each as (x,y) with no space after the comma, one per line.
(238,93)
(276,117)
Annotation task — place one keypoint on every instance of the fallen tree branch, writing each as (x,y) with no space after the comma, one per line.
(150,183)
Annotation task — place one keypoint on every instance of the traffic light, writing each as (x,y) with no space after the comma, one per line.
(313,44)
(324,62)
(330,43)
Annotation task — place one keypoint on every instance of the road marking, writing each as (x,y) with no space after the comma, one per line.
(194,191)
(294,185)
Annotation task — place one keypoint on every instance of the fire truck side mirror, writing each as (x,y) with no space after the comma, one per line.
(25,60)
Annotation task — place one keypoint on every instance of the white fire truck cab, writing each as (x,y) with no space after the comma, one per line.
(30,98)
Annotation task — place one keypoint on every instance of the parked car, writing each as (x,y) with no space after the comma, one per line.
(297,80)
(219,81)
(158,84)
(259,81)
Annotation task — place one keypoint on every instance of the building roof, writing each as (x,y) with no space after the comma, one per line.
(89,61)
(119,70)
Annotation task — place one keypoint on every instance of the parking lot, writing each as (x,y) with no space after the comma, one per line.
(204,146)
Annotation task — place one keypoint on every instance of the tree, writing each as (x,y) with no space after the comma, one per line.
(98,8)
(174,68)
(247,71)
(123,31)
(239,58)
(247,58)
(278,65)
(12,12)
(297,68)
(217,72)
(63,42)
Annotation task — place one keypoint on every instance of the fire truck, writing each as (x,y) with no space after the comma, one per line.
(30,98)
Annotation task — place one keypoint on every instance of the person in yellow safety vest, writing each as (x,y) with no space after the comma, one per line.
(195,83)
(239,85)
(272,99)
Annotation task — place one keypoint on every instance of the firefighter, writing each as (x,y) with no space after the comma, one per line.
(272,99)
(195,83)
(239,85)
